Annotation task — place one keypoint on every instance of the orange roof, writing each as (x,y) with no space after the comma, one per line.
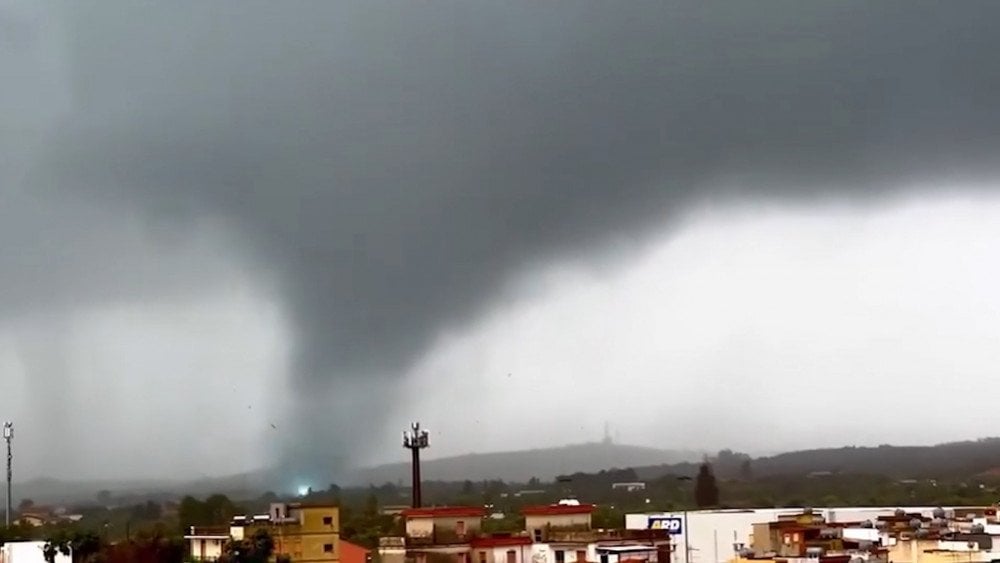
(352,553)
(556,509)
(444,512)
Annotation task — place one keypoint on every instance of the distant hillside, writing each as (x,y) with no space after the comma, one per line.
(953,459)
(974,459)
(520,466)
(45,490)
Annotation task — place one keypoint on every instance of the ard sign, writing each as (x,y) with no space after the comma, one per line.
(671,524)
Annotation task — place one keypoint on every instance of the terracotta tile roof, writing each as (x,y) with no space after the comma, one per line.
(444,512)
(352,553)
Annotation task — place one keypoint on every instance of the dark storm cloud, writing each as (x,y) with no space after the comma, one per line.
(396,163)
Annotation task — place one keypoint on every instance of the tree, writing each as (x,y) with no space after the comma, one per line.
(25,504)
(256,549)
(84,546)
(706,491)
(215,510)
(104,497)
(746,471)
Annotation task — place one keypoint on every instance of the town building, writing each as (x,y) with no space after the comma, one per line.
(501,549)
(307,533)
(957,535)
(36,516)
(630,487)
(711,536)
(442,531)
(563,533)
(206,543)
(559,533)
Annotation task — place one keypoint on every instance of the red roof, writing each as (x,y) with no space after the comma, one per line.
(352,553)
(556,509)
(500,541)
(444,512)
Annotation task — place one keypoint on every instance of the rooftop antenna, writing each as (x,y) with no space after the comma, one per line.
(8,435)
(416,439)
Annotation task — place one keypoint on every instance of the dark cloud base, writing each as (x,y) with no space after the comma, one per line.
(395,163)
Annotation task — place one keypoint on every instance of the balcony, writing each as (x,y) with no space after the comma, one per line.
(573,535)
(441,536)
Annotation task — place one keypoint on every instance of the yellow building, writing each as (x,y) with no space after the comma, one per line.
(308,533)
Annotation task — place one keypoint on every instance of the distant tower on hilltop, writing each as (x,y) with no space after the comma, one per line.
(607,433)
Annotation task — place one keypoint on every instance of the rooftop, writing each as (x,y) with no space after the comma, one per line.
(557,509)
(207,532)
(445,512)
(500,541)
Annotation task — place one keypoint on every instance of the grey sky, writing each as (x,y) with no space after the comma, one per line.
(377,177)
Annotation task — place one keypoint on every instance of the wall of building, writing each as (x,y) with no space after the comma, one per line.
(546,553)
(419,526)
(203,549)
(556,520)
(498,554)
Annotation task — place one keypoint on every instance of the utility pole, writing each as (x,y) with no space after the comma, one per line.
(8,435)
(416,439)
(687,546)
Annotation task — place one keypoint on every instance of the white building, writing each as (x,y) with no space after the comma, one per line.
(28,552)
(716,536)
(205,544)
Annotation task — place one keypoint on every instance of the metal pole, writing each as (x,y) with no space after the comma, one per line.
(417,501)
(415,440)
(8,435)
(687,543)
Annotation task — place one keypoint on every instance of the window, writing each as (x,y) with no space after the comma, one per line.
(328,520)
(460,528)
(538,534)
(511,556)
(482,557)
(327,548)
(604,558)
(560,556)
